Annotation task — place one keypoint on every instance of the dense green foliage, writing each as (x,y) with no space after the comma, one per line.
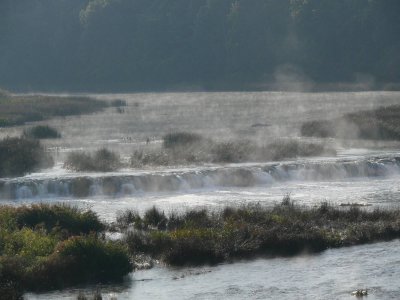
(148,44)
(19,156)
(46,247)
(197,237)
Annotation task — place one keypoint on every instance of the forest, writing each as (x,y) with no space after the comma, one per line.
(138,45)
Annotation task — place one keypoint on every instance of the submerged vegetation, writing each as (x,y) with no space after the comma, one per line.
(17,110)
(19,156)
(189,148)
(102,160)
(382,123)
(201,236)
(46,247)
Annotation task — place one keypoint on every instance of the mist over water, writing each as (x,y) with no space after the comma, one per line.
(362,171)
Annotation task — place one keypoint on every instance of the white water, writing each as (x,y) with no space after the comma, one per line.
(363,172)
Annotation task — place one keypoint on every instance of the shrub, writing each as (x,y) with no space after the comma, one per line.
(180,139)
(382,123)
(318,129)
(102,160)
(129,217)
(231,152)
(153,217)
(118,103)
(19,156)
(106,161)
(58,217)
(93,260)
(42,132)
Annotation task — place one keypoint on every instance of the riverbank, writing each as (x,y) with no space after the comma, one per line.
(47,247)
(17,110)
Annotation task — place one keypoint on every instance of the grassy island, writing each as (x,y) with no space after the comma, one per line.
(17,110)
(198,237)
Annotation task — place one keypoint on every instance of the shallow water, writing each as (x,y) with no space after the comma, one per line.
(363,172)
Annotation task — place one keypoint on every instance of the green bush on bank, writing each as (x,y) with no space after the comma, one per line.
(45,247)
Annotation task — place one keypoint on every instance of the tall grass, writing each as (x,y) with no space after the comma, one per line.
(188,148)
(382,123)
(198,237)
(102,160)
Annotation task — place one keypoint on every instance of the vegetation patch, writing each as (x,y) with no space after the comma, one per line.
(379,124)
(45,247)
(19,156)
(198,237)
(17,110)
(188,148)
(118,103)
(180,139)
(42,132)
(102,160)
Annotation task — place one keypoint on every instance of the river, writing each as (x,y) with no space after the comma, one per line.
(364,172)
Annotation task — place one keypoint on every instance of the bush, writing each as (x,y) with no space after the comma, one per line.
(19,156)
(187,148)
(153,217)
(180,139)
(382,123)
(59,217)
(93,260)
(42,132)
(118,103)
(231,152)
(318,128)
(39,252)
(102,160)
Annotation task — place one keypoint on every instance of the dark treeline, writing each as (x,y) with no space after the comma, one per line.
(172,44)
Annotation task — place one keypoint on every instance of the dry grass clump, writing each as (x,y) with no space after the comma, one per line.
(379,124)
(102,160)
(187,148)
